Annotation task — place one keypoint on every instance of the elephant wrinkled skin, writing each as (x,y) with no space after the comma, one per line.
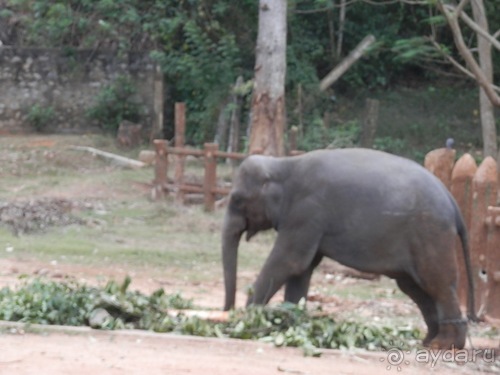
(366,209)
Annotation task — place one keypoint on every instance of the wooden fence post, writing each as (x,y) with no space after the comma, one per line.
(210,180)
(180,130)
(493,265)
(461,189)
(484,187)
(161,169)
(440,162)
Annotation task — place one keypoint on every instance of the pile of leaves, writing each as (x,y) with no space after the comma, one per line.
(115,307)
(24,217)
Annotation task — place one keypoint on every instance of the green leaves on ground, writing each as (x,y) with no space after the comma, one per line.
(115,307)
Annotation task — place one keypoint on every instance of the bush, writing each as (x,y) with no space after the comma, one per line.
(339,136)
(115,103)
(40,117)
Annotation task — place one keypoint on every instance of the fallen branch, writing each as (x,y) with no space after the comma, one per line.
(345,64)
(118,159)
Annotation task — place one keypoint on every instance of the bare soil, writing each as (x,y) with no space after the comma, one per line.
(63,350)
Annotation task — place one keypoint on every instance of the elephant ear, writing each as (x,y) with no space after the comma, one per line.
(272,195)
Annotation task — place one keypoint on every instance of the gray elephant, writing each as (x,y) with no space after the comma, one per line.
(366,209)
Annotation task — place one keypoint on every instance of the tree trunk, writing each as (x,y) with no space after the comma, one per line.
(370,121)
(268,100)
(234,129)
(485,61)
(222,125)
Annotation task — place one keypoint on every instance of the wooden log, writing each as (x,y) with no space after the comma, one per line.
(210,180)
(493,263)
(345,64)
(484,190)
(180,130)
(461,189)
(440,162)
(118,159)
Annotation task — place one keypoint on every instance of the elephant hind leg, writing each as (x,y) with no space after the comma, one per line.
(452,326)
(439,305)
(297,286)
(424,302)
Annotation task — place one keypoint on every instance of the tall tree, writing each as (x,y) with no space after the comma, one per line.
(268,100)
(480,68)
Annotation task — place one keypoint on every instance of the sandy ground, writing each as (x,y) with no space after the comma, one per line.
(62,350)
(59,350)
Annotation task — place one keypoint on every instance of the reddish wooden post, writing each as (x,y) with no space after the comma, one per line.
(484,190)
(493,264)
(161,169)
(180,130)
(210,180)
(440,162)
(461,188)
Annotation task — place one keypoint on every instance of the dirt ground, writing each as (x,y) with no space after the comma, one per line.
(63,350)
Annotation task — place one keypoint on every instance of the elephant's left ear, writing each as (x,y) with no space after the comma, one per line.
(272,193)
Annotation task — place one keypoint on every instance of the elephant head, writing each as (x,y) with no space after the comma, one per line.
(254,205)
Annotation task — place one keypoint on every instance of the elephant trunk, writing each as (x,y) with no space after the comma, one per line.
(233,228)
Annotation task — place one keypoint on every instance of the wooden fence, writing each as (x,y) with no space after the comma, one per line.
(209,188)
(476,190)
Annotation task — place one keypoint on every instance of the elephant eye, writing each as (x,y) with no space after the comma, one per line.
(237,201)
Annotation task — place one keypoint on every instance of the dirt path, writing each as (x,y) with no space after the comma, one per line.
(63,350)
(84,351)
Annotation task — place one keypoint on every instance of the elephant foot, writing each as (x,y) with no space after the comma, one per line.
(427,340)
(452,335)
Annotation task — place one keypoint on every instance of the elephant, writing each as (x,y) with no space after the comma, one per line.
(366,209)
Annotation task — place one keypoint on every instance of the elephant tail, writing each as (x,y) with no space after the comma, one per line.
(462,233)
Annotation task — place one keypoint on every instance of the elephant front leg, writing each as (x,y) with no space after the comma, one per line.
(297,286)
(290,261)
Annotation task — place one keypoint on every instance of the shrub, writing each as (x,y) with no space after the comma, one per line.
(40,117)
(115,103)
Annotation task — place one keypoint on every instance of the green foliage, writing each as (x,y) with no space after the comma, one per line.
(202,58)
(115,103)
(203,45)
(47,303)
(68,303)
(340,136)
(389,144)
(40,116)
(409,50)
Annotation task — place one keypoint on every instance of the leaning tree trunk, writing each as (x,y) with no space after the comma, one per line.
(268,100)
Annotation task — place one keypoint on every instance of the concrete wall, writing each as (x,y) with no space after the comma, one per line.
(69,82)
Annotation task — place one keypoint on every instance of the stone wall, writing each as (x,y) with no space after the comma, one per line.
(68,82)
